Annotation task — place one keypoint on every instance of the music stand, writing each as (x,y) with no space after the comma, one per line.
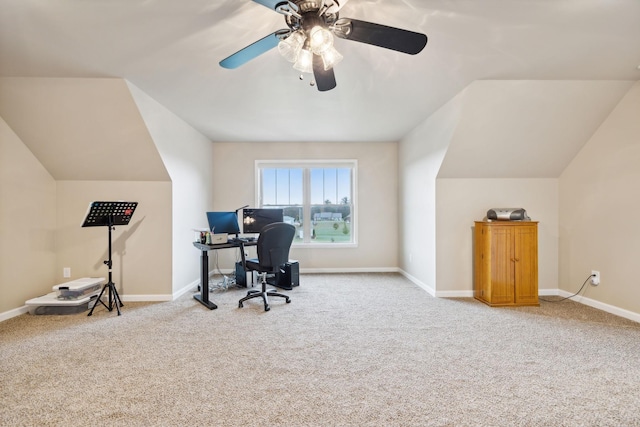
(109,214)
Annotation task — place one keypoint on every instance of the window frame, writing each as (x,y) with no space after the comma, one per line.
(306,166)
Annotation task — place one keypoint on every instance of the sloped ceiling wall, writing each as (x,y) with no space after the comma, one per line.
(81,129)
(526,129)
(91,129)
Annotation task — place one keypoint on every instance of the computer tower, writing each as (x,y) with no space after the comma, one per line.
(287,277)
(294,272)
(241,275)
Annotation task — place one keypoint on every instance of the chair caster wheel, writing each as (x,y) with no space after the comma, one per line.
(288,300)
(240,305)
(267,308)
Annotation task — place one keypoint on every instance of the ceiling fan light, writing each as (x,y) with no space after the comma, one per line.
(330,57)
(320,39)
(290,47)
(304,63)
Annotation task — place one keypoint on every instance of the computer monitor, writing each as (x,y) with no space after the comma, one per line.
(253,219)
(223,222)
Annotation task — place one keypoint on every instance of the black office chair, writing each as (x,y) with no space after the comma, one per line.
(273,247)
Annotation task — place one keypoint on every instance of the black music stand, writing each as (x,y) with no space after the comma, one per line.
(109,214)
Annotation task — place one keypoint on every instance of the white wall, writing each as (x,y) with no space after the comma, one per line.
(81,128)
(599,205)
(525,128)
(187,155)
(420,155)
(460,202)
(496,144)
(27,224)
(234,175)
(106,153)
(141,251)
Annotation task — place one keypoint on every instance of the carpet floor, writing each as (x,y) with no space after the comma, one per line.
(349,350)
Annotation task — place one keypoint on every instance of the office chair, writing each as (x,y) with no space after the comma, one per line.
(273,247)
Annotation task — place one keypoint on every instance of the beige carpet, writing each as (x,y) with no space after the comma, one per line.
(350,350)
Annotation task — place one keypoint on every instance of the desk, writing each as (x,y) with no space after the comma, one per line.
(203,298)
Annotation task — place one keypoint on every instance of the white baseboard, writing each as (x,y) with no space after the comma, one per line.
(13,313)
(419,283)
(125,298)
(602,306)
(454,294)
(146,298)
(349,270)
(542,292)
(331,270)
(438,294)
(189,288)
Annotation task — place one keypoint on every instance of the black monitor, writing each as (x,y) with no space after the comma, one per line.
(253,219)
(223,222)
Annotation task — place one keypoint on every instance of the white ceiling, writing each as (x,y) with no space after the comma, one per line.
(171,49)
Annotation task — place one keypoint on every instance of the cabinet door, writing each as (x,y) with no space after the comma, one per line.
(502,265)
(526,265)
(482,286)
(480,281)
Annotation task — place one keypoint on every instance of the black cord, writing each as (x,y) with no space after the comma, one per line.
(570,296)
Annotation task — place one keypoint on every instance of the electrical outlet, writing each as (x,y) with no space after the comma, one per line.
(66,272)
(595,277)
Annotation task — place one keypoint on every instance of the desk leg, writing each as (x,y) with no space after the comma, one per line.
(203,298)
(242,255)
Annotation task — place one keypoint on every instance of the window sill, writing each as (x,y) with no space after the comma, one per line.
(324,245)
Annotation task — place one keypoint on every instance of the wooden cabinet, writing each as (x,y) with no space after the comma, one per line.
(506,262)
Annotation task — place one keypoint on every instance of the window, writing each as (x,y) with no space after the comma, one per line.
(317,197)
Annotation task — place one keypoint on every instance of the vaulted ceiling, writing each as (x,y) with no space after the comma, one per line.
(171,49)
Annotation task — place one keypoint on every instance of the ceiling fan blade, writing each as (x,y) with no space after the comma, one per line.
(404,41)
(325,79)
(271,4)
(253,50)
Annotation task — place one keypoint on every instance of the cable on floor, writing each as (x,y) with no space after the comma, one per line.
(570,296)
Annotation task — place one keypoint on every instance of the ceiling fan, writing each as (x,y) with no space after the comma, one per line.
(308,42)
